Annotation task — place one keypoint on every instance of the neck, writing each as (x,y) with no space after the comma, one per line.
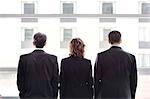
(38,48)
(115,44)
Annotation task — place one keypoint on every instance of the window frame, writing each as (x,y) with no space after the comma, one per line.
(23,32)
(144,34)
(144,58)
(26,38)
(140,6)
(35,6)
(62,32)
(101,6)
(101,33)
(74,6)
(62,36)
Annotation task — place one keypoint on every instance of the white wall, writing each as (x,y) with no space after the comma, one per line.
(86,28)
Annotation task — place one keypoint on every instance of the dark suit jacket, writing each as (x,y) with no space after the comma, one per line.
(76,78)
(115,74)
(37,75)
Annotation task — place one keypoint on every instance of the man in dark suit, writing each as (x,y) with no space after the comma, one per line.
(37,75)
(115,72)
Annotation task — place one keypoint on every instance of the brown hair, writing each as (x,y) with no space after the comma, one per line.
(114,37)
(77,47)
(39,40)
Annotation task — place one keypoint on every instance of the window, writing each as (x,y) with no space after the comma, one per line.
(68,8)
(66,36)
(145,8)
(107,8)
(144,60)
(28,34)
(144,37)
(104,33)
(29,8)
(144,34)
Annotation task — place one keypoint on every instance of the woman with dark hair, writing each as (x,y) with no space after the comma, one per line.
(76,73)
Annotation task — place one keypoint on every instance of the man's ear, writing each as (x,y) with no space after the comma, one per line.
(34,43)
(45,43)
(109,42)
(120,41)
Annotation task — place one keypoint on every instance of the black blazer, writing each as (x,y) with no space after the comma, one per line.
(37,75)
(76,78)
(115,74)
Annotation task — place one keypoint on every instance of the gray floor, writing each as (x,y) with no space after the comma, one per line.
(8,85)
(8,88)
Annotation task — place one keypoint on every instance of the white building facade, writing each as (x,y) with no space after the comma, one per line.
(62,20)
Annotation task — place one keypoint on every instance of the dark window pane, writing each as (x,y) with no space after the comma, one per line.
(28,34)
(145,8)
(107,8)
(105,35)
(29,8)
(67,8)
(67,34)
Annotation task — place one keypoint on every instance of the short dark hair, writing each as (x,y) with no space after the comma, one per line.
(114,37)
(39,40)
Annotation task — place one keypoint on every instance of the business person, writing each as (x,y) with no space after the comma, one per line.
(0,96)
(115,71)
(76,73)
(37,76)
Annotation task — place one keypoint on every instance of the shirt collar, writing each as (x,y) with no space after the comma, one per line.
(116,47)
(38,49)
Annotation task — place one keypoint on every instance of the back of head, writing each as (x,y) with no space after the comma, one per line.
(39,40)
(114,37)
(77,47)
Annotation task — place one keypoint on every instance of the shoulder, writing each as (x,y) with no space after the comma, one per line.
(66,59)
(71,58)
(87,60)
(129,54)
(24,55)
(103,52)
(51,55)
